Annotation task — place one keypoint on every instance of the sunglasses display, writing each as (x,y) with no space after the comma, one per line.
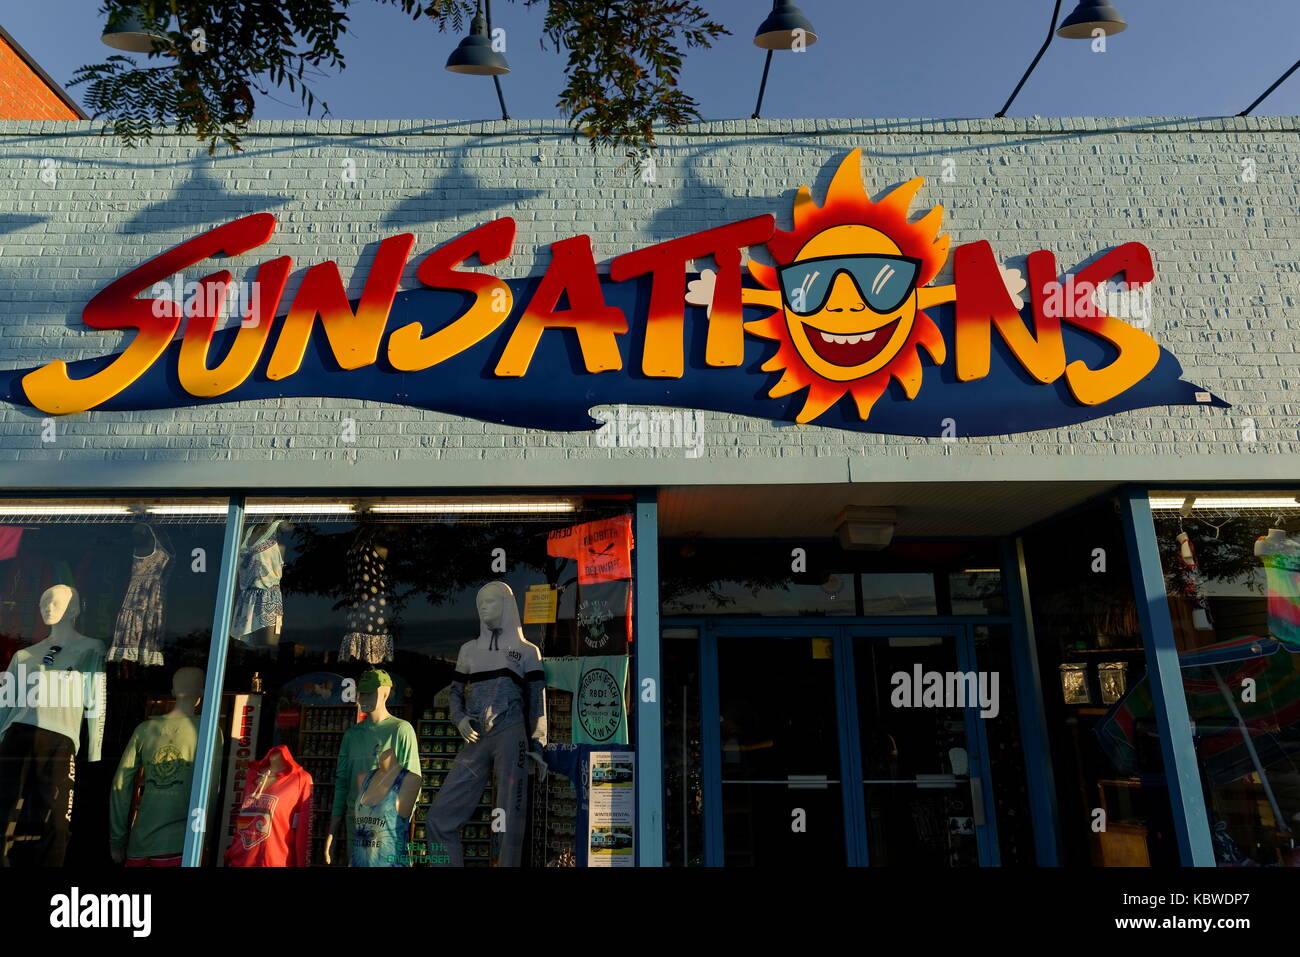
(883,282)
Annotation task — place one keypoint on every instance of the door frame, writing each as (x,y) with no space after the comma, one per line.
(843,633)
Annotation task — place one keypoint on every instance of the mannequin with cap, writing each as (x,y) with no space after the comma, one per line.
(498,703)
(363,745)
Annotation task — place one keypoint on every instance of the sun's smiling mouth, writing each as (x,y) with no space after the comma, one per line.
(850,349)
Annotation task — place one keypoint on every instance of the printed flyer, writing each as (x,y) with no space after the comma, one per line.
(610,835)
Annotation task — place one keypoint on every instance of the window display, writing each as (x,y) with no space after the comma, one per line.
(396,652)
(105,611)
(1232,571)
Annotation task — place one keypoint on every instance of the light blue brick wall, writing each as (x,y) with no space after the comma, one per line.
(1226,295)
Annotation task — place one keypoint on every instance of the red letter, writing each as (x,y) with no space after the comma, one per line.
(725,346)
(116,307)
(572,271)
(407,351)
(353,339)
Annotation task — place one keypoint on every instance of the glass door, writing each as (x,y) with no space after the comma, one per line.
(918,706)
(778,752)
(792,712)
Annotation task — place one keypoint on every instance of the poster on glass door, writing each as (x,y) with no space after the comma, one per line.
(610,837)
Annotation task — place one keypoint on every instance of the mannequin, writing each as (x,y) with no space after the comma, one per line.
(362,746)
(47,691)
(273,826)
(386,800)
(163,748)
(1280,556)
(502,717)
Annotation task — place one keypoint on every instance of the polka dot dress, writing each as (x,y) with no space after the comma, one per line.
(367,638)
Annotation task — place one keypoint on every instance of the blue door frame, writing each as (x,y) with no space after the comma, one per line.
(844,634)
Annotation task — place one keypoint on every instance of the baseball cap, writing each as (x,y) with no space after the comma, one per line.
(373,680)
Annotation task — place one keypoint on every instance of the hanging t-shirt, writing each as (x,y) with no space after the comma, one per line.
(164,748)
(359,753)
(58,695)
(1280,557)
(599,687)
(602,549)
(604,618)
(10,538)
(273,826)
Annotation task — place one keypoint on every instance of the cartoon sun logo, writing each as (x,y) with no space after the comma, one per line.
(850,292)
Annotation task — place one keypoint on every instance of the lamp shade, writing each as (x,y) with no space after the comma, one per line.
(474,54)
(130,33)
(777,32)
(1091,15)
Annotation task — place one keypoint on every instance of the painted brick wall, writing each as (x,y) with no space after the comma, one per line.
(23,94)
(1226,296)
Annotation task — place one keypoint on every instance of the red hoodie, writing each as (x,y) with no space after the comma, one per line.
(273,829)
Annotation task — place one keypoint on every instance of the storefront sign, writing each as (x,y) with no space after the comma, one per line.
(245,711)
(844,329)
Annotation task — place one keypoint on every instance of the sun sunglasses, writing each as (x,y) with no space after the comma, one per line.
(49,658)
(883,282)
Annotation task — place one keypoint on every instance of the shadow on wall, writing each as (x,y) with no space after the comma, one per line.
(456,192)
(12,222)
(200,199)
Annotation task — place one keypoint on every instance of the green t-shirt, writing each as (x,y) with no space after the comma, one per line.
(599,687)
(363,743)
(164,747)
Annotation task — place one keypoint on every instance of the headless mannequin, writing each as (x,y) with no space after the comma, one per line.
(187,689)
(274,768)
(1270,541)
(385,774)
(374,705)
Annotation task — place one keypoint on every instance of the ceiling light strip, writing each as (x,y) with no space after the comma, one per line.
(472,508)
(1175,504)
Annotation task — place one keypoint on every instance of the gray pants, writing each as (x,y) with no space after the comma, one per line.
(505,750)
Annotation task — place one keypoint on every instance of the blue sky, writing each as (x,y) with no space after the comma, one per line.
(875,58)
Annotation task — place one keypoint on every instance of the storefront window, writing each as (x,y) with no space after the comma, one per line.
(1113,802)
(1232,570)
(429,682)
(106,610)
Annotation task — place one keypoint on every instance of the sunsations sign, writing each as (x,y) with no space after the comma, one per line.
(844,328)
